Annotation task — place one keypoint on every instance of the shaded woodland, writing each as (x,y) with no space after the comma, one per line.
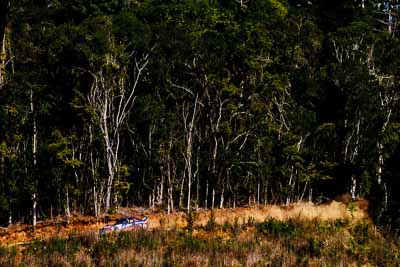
(197,104)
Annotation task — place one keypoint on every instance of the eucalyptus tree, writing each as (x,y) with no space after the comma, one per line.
(111,98)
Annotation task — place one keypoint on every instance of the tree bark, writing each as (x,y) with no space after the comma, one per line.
(189,128)
(34,204)
(381,161)
(170,181)
(213,199)
(206,200)
(34,151)
(221,203)
(4,10)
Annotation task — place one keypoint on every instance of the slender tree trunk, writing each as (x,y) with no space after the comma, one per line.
(4,9)
(213,199)
(110,181)
(381,161)
(304,192)
(67,205)
(95,197)
(189,168)
(189,128)
(206,200)
(221,203)
(181,191)
(34,204)
(93,168)
(266,193)
(34,152)
(353,180)
(2,60)
(10,214)
(170,182)
(290,186)
(196,175)
(170,200)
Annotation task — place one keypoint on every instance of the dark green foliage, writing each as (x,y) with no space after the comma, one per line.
(8,256)
(191,218)
(294,100)
(211,221)
(362,232)
(104,247)
(277,228)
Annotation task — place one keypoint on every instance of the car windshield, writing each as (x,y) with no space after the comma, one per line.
(122,221)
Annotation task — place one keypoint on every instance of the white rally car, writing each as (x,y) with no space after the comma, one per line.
(125,224)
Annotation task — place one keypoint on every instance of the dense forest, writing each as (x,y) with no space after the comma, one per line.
(197,104)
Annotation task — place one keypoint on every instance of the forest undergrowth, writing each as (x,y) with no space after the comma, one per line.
(294,242)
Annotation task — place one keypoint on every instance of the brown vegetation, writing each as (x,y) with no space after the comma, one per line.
(59,227)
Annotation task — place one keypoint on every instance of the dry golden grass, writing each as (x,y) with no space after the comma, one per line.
(303,211)
(86,224)
(292,242)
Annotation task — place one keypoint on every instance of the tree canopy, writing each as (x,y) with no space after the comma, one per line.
(187,104)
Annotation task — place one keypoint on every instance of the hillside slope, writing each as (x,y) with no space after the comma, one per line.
(60,227)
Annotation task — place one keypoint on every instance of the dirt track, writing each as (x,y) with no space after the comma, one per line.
(19,234)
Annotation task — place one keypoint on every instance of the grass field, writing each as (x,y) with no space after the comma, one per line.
(291,242)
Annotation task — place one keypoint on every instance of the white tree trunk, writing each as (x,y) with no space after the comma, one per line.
(10,215)
(206,201)
(112,101)
(34,151)
(170,182)
(221,203)
(93,167)
(3,57)
(110,181)
(213,199)
(95,202)
(34,204)
(181,190)
(197,178)
(350,156)
(189,128)
(381,161)
(67,205)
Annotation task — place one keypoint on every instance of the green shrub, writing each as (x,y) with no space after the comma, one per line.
(236,227)
(104,247)
(341,223)
(211,223)
(362,233)
(8,256)
(125,240)
(146,240)
(36,246)
(54,245)
(112,211)
(315,247)
(276,228)
(187,243)
(191,218)
(3,252)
